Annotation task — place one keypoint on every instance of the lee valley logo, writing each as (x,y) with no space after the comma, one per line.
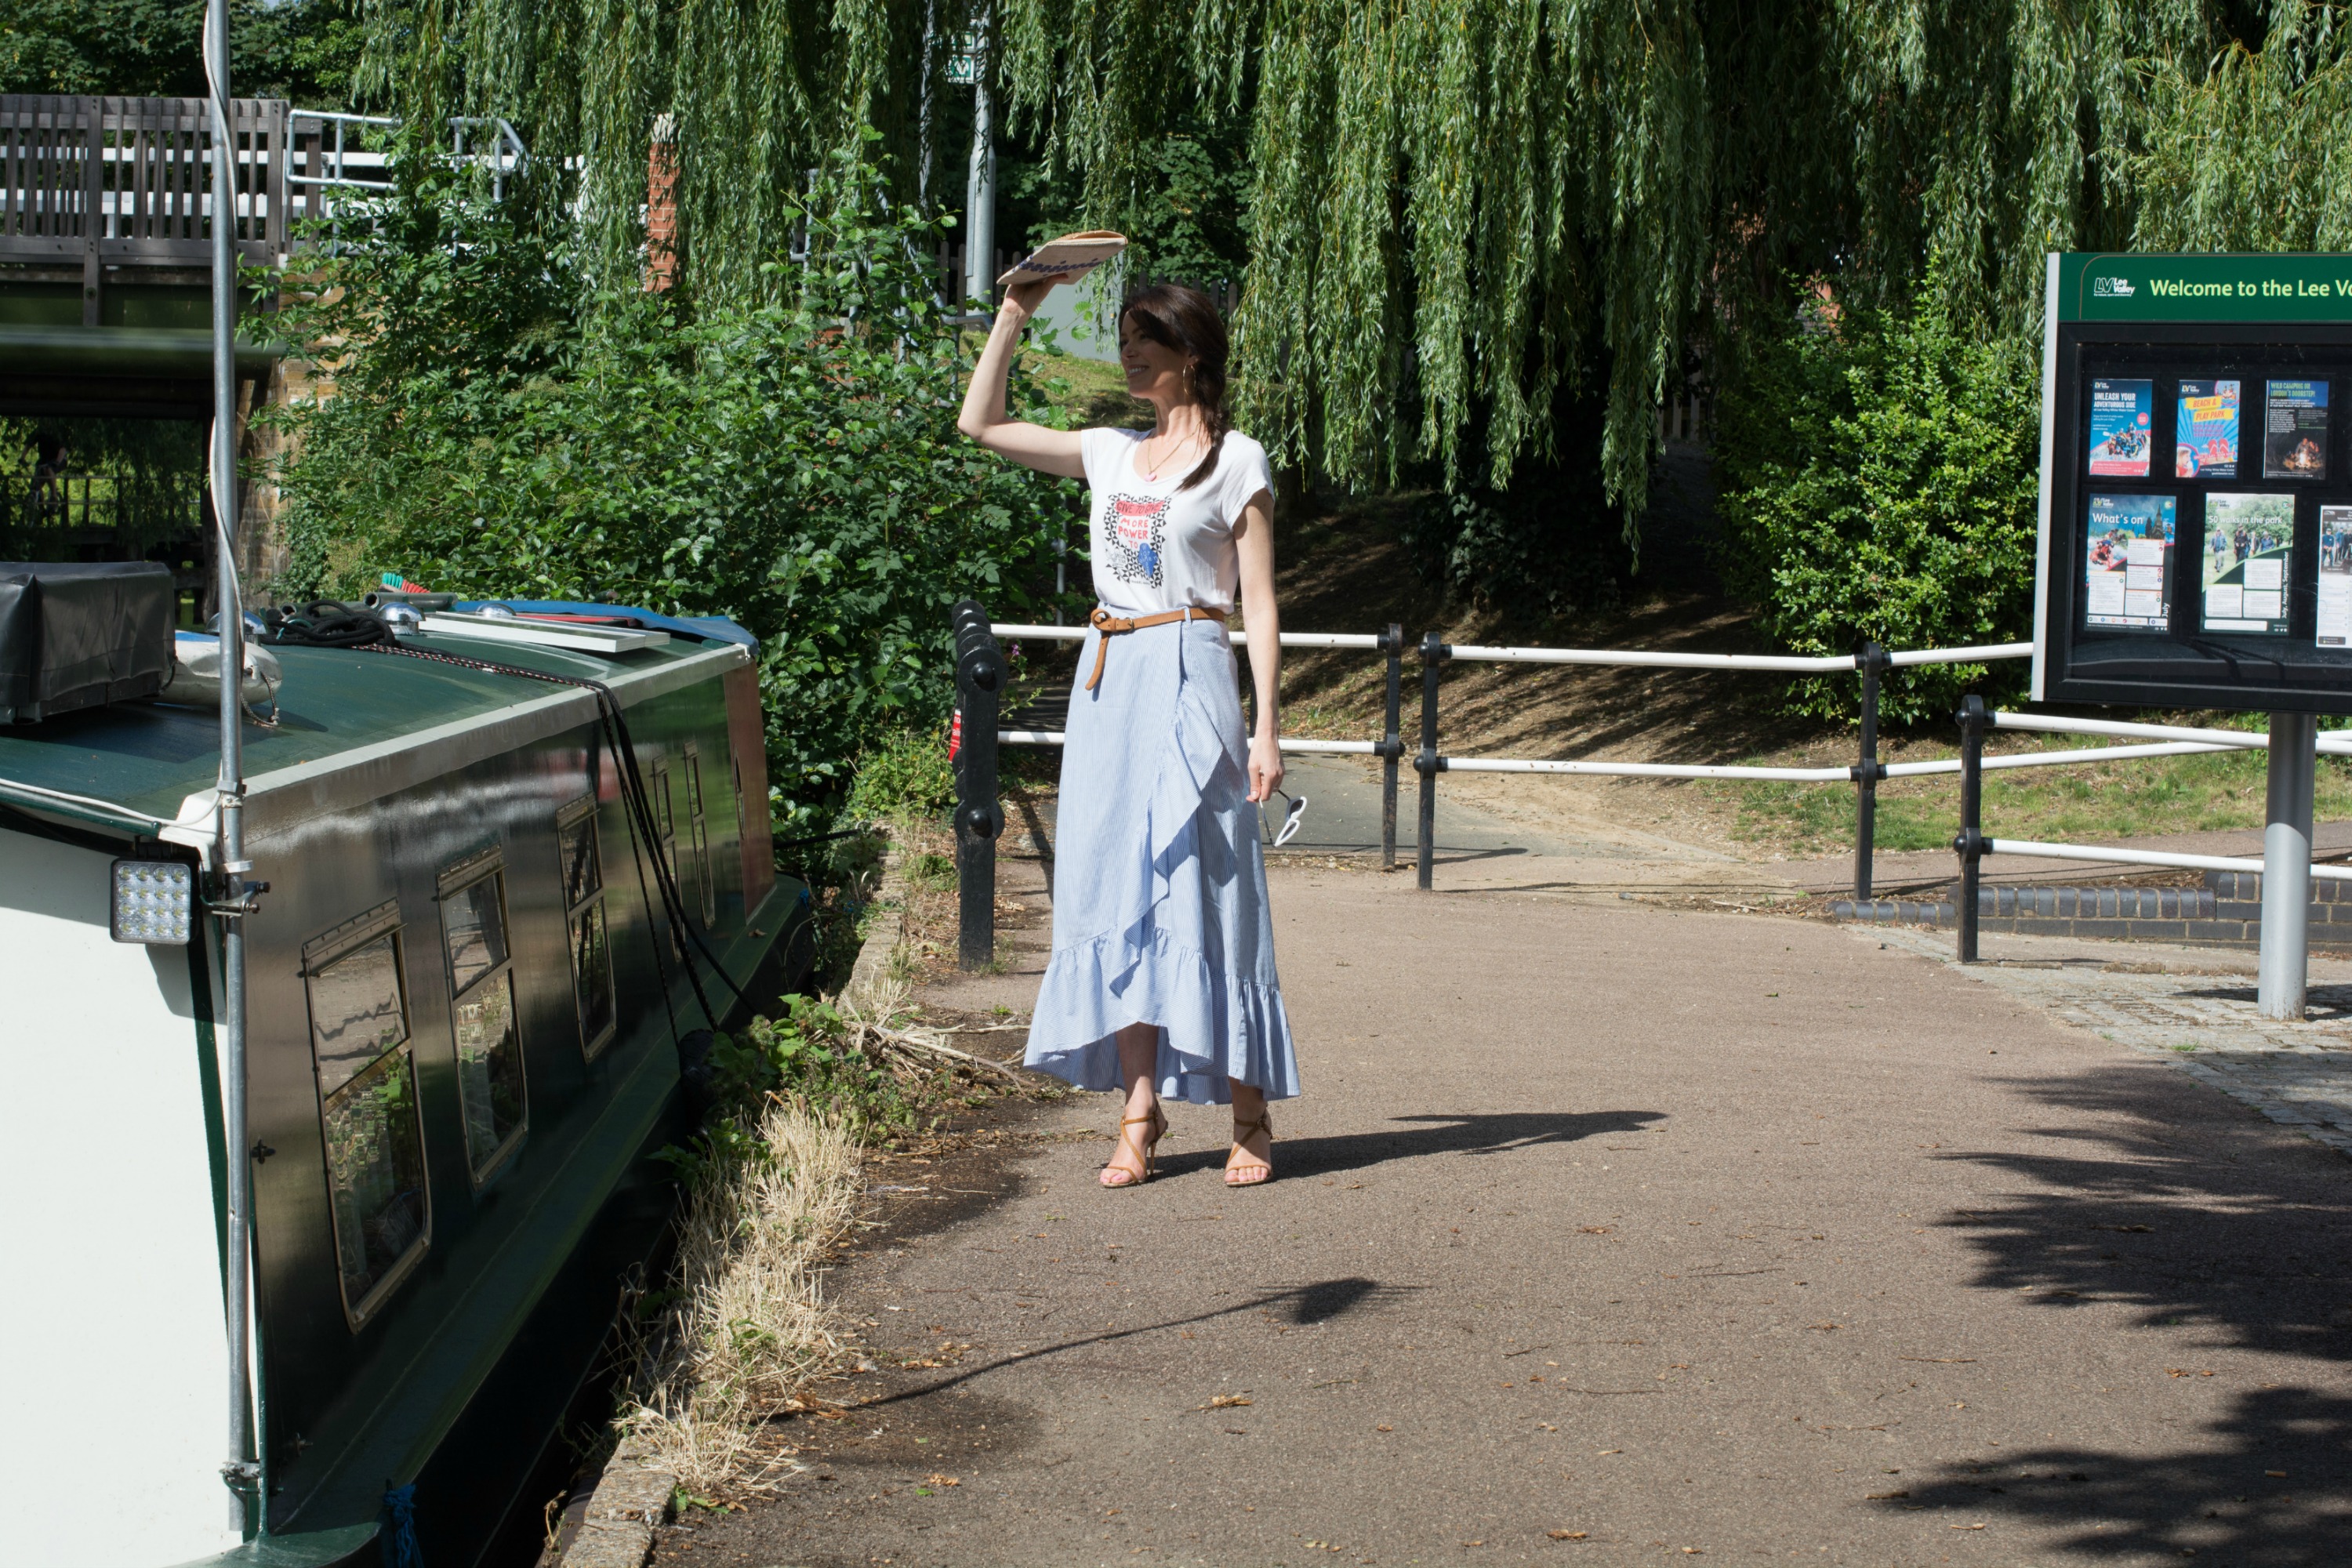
(2115,288)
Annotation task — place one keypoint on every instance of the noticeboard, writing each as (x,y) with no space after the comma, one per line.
(2196,531)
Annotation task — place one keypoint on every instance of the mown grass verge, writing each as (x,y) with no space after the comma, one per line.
(741,1326)
(2090,804)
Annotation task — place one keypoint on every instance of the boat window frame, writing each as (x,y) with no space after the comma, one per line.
(568,818)
(666,846)
(470,872)
(698,829)
(320,954)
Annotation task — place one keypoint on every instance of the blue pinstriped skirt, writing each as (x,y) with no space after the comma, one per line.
(1160,906)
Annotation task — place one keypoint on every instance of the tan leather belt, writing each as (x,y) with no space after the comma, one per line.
(1110,626)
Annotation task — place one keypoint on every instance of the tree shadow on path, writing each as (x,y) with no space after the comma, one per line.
(1502,1132)
(2192,1213)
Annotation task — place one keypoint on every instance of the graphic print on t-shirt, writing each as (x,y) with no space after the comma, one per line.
(1136,525)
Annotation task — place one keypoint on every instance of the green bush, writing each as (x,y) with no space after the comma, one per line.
(496,433)
(1878,479)
(904,774)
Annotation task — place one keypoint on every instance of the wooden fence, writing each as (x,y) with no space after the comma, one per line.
(100,182)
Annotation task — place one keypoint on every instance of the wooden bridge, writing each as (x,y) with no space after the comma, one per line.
(106,214)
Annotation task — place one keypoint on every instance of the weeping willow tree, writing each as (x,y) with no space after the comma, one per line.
(1461,209)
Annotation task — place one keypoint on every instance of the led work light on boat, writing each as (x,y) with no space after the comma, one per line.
(154,901)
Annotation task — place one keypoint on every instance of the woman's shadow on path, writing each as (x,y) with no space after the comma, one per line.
(1416,1137)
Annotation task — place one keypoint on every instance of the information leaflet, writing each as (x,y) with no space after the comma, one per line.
(2335,576)
(2123,578)
(2120,413)
(2248,541)
(2294,431)
(2205,434)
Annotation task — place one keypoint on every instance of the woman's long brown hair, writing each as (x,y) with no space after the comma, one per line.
(1189,321)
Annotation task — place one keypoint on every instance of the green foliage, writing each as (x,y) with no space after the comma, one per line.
(805,1055)
(1185,216)
(139,477)
(1454,209)
(1879,476)
(301,49)
(792,465)
(903,774)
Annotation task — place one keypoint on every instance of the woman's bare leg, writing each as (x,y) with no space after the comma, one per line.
(1252,1161)
(1138,1053)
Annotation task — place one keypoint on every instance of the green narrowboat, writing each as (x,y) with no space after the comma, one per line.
(503,869)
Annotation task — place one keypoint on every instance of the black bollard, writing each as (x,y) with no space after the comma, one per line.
(1429,763)
(1391,743)
(979,816)
(1970,843)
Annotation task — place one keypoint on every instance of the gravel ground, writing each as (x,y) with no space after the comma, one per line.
(1608,1234)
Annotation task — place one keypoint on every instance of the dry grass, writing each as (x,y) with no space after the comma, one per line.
(750,1325)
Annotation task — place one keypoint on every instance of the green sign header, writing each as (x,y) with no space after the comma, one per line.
(2115,287)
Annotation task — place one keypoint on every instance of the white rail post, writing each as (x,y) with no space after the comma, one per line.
(2286,866)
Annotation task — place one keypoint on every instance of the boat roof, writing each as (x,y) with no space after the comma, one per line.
(135,764)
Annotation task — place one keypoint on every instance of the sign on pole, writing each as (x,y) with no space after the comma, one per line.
(963,61)
(2196,532)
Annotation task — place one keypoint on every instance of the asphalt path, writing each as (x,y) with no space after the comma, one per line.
(1610,1234)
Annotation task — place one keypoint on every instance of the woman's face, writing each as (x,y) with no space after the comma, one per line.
(1154,370)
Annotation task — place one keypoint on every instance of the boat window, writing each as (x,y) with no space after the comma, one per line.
(583,910)
(697,835)
(367,1107)
(490,1089)
(356,1012)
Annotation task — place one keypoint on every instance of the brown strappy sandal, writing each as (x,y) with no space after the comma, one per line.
(1257,1172)
(1147,1152)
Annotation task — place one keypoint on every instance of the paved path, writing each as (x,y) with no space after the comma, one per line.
(1610,1234)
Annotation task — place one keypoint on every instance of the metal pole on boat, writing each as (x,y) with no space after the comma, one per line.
(239,1470)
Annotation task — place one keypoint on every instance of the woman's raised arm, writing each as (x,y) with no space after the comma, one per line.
(982,419)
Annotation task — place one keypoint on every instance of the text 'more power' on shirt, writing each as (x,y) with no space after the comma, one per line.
(1157,547)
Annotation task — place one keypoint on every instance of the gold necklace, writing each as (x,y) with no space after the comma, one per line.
(1151,471)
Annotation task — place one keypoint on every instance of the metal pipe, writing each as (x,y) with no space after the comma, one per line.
(240,1470)
(1971,842)
(1392,741)
(1343,748)
(1987,653)
(1642,770)
(1433,654)
(1289,639)
(980,186)
(1872,662)
(2164,859)
(2285,963)
(2052,725)
(2054,759)
(1655,660)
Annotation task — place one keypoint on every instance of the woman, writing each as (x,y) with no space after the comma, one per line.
(1163,979)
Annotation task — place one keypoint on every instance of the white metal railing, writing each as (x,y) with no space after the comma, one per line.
(1289,639)
(2100,855)
(1323,748)
(1476,654)
(2147,741)
(1786,663)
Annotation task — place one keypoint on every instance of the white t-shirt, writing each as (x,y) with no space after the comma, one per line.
(1157,547)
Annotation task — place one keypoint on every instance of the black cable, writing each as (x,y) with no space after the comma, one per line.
(633,796)
(324,623)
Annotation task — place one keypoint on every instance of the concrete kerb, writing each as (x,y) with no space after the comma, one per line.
(632,1496)
(631,1500)
(881,955)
